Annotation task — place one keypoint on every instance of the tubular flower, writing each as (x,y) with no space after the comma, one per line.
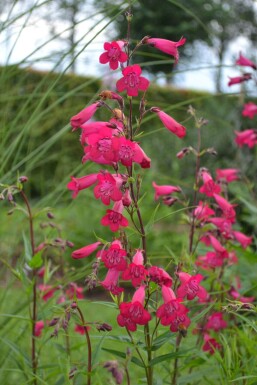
(84,115)
(210,344)
(159,276)
(239,79)
(110,282)
(114,257)
(78,184)
(167,46)
(215,322)
(227,209)
(128,152)
(227,174)
(74,289)
(132,82)
(106,189)
(209,187)
(242,239)
(85,251)
(211,260)
(114,218)
(39,326)
(171,124)
(136,271)
(164,190)
(190,287)
(250,110)
(113,54)
(247,137)
(202,212)
(133,313)
(243,61)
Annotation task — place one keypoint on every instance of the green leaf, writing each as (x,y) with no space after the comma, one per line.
(169,356)
(27,247)
(36,260)
(117,353)
(162,339)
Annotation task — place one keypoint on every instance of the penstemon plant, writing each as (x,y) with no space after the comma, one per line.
(211,219)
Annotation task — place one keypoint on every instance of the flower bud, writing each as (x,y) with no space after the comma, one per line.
(69,244)
(104,327)
(53,322)
(23,179)
(50,215)
(74,305)
(185,151)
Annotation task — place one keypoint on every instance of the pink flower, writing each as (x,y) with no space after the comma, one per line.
(107,189)
(132,82)
(113,54)
(78,184)
(38,328)
(159,276)
(239,79)
(210,344)
(114,218)
(167,46)
(84,115)
(114,257)
(242,239)
(247,137)
(211,260)
(126,199)
(202,212)
(110,282)
(237,296)
(85,251)
(100,147)
(211,240)
(224,226)
(41,272)
(209,187)
(80,329)
(76,290)
(227,174)
(128,152)
(133,313)
(190,287)
(227,209)
(243,61)
(173,312)
(171,124)
(136,271)
(250,110)
(164,190)
(47,290)
(215,322)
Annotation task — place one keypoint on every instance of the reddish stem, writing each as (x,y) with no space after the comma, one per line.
(89,348)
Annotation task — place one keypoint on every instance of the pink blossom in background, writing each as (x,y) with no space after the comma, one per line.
(76,290)
(243,61)
(47,291)
(80,329)
(85,251)
(239,79)
(132,82)
(250,110)
(39,326)
(164,190)
(171,124)
(210,344)
(246,137)
(227,208)
(113,54)
(167,46)
(227,174)
(84,115)
(190,287)
(78,184)
(159,276)
(242,239)
(215,322)
(211,260)
(237,296)
(133,313)
(202,212)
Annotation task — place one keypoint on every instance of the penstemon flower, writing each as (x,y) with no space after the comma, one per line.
(132,82)
(113,54)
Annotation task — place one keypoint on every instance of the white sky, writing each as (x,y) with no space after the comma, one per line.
(19,41)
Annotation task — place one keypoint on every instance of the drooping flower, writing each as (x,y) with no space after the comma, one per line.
(224,225)
(47,290)
(114,218)
(226,207)
(211,260)
(209,239)
(250,110)
(39,326)
(215,322)
(136,271)
(243,61)
(243,239)
(171,124)
(78,184)
(113,54)
(132,82)
(190,287)
(210,345)
(247,137)
(209,187)
(164,190)
(106,189)
(85,251)
(202,212)
(133,313)
(239,79)
(114,257)
(159,276)
(84,115)
(111,280)
(227,174)
(167,46)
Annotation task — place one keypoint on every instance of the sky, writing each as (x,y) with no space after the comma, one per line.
(25,35)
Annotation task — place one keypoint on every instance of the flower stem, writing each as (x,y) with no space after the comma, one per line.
(89,348)
(175,370)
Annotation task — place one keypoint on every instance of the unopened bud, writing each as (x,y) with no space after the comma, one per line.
(129,16)
(10,197)
(104,327)
(72,373)
(50,215)
(23,179)
(211,151)
(169,201)
(69,244)
(126,199)
(53,322)
(118,114)
(74,305)
(185,151)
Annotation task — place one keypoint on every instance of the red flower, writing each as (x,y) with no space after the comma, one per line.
(164,190)
(239,79)
(227,174)
(209,187)
(243,61)
(111,280)
(100,149)
(80,329)
(247,137)
(167,46)
(74,289)
(84,115)
(250,110)
(227,209)
(133,313)
(215,322)
(78,184)
(242,239)
(171,124)
(114,257)
(210,261)
(85,251)
(47,290)
(128,152)
(136,271)
(107,189)
(202,212)
(210,344)
(190,287)
(114,219)
(132,81)
(113,54)
(38,328)
(159,276)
